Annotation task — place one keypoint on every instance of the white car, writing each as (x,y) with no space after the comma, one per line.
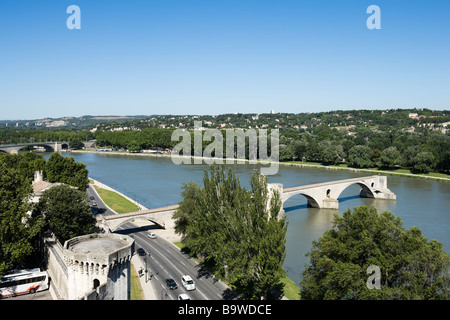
(187,282)
(183,296)
(151,235)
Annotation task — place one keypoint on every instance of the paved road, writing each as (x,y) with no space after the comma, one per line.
(40,295)
(167,261)
(100,204)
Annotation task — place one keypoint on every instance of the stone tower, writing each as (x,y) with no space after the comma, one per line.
(98,266)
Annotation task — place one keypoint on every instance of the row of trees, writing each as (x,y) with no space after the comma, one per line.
(62,209)
(238,232)
(419,152)
(28,135)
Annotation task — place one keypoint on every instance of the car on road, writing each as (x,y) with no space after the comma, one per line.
(141,252)
(187,282)
(93,203)
(151,235)
(171,284)
(184,296)
(92,197)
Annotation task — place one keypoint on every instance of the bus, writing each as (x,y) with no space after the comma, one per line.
(17,282)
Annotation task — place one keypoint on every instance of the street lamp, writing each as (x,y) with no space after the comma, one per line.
(145,260)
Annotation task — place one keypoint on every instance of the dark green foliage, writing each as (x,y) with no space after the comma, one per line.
(76,144)
(238,232)
(16,228)
(390,158)
(423,162)
(67,208)
(66,211)
(66,170)
(359,157)
(411,267)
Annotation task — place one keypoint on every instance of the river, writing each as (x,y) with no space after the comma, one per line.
(157,182)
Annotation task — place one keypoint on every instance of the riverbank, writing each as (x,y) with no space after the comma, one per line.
(397,172)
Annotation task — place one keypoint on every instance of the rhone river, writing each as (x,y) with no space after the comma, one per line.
(156,182)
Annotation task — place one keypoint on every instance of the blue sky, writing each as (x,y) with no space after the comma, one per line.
(221,56)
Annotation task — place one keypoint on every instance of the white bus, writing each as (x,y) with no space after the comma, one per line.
(23,281)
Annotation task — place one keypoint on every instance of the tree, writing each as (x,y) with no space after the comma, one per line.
(423,162)
(16,229)
(332,153)
(390,158)
(76,144)
(359,156)
(410,153)
(66,212)
(411,266)
(239,232)
(66,170)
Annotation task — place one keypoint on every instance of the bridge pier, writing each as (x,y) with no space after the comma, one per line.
(330,204)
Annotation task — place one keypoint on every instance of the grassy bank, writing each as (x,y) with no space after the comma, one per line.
(136,292)
(115,201)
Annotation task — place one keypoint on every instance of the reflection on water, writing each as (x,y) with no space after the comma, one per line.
(157,182)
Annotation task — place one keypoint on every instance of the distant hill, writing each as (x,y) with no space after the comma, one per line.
(67,122)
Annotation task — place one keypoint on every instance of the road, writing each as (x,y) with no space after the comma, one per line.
(165,260)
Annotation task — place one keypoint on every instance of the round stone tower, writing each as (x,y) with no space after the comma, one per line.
(98,266)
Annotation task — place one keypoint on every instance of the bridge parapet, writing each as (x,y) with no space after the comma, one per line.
(157,216)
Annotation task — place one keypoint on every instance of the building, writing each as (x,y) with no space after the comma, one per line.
(91,267)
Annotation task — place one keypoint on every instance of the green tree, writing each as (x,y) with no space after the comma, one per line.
(76,144)
(390,158)
(411,266)
(66,170)
(423,162)
(238,231)
(332,153)
(16,228)
(359,157)
(66,212)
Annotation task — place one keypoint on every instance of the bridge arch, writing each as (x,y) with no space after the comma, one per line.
(366,191)
(48,148)
(131,219)
(311,201)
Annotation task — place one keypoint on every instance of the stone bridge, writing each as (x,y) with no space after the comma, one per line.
(324,195)
(320,195)
(157,216)
(49,146)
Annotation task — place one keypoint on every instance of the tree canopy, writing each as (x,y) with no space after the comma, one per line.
(240,233)
(16,233)
(63,209)
(66,211)
(411,267)
(66,170)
